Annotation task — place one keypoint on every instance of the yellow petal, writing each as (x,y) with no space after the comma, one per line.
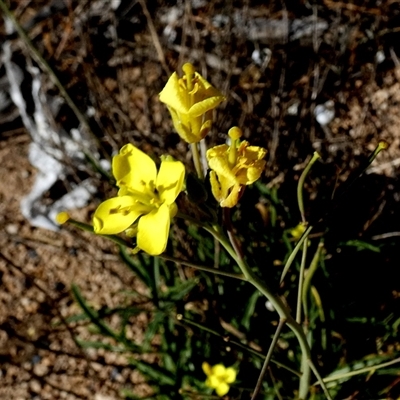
(248,174)
(205,128)
(217,151)
(211,382)
(254,172)
(153,230)
(186,127)
(219,186)
(206,368)
(218,370)
(232,199)
(173,95)
(221,166)
(116,214)
(206,90)
(230,375)
(201,107)
(254,153)
(173,210)
(133,168)
(222,389)
(170,180)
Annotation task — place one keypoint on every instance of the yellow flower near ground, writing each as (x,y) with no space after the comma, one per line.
(297,231)
(145,202)
(190,101)
(233,167)
(219,377)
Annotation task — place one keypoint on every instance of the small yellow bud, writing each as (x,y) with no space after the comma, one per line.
(383,145)
(235,133)
(62,217)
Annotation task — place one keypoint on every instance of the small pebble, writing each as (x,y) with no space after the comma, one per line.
(12,229)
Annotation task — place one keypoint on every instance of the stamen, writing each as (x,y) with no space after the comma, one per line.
(189,71)
(234,133)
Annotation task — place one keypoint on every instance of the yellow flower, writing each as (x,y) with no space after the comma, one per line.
(297,231)
(219,377)
(233,167)
(190,100)
(145,202)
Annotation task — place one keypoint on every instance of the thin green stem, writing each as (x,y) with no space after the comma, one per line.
(310,273)
(300,185)
(232,238)
(157,281)
(268,358)
(360,371)
(293,254)
(228,340)
(301,281)
(197,161)
(277,303)
(202,267)
(89,228)
(321,382)
(276,387)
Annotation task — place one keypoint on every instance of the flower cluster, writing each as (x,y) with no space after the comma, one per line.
(146,198)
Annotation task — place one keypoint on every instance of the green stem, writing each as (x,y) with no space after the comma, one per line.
(309,276)
(321,382)
(360,371)
(301,281)
(277,303)
(240,345)
(89,228)
(197,161)
(381,146)
(157,281)
(293,254)
(268,358)
(202,267)
(300,185)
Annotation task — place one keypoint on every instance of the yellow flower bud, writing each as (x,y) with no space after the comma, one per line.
(190,101)
(62,217)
